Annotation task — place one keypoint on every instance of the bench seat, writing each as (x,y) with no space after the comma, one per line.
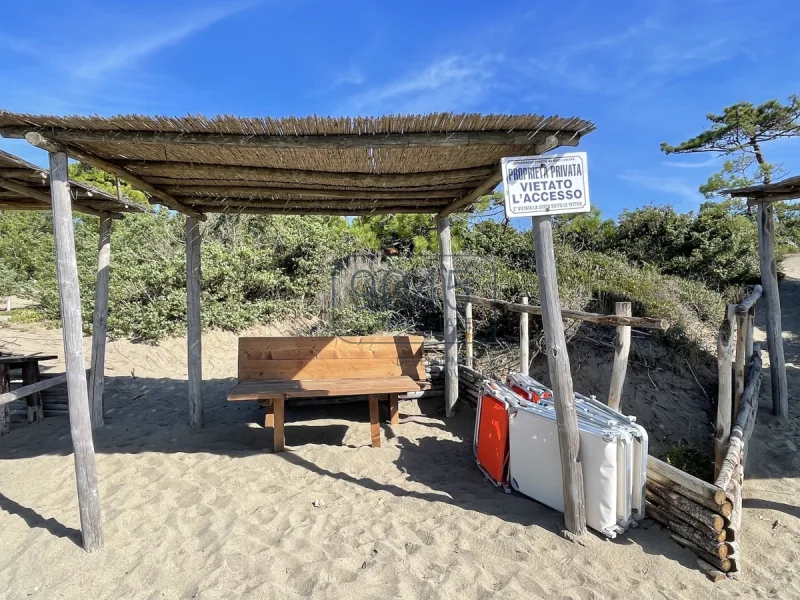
(311,388)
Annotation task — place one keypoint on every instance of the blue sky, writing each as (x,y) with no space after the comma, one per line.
(644,72)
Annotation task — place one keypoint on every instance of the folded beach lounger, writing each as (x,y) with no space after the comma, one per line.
(490,443)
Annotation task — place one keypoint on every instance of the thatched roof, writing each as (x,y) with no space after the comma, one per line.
(24,186)
(788,189)
(311,165)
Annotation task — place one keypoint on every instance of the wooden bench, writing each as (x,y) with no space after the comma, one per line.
(274,369)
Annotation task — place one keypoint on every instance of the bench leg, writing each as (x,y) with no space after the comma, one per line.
(394,416)
(30,375)
(5,412)
(269,418)
(278,443)
(374,421)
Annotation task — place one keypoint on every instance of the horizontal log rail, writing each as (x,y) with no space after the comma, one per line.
(579,315)
(745,305)
(27,390)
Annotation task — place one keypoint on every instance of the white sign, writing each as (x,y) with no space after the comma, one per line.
(546,185)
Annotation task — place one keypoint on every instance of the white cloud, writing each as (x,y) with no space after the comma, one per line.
(457,82)
(666,185)
(709,162)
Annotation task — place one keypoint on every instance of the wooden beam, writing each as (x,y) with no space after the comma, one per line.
(448,278)
(745,305)
(193,323)
(343,212)
(524,340)
(44,198)
(22,172)
(191,170)
(22,392)
(342,141)
(316,203)
(579,315)
(560,378)
(772,308)
(739,363)
(72,325)
(622,349)
(722,430)
(758,201)
(100,324)
(548,143)
(223,191)
(468,336)
(36,139)
(677,480)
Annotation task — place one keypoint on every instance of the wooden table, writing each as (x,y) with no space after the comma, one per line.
(272,395)
(30,374)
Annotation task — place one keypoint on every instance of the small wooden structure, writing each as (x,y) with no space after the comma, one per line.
(763,197)
(29,364)
(438,163)
(275,369)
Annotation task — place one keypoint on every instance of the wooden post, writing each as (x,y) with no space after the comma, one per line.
(30,376)
(374,421)
(748,340)
(193,325)
(100,323)
(560,377)
(772,308)
(725,396)
(738,366)
(72,325)
(450,332)
(279,418)
(5,414)
(622,349)
(469,355)
(524,341)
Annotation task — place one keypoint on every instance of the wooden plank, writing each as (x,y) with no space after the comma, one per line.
(722,430)
(72,325)
(194,336)
(622,349)
(19,360)
(772,307)
(278,437)
(340,141)
(42,197)
(320,368)
(394,413)
(749,302)
(265,390)
(468,336)
(21,392)
(579,315)
(276,348)
(739,363)
(100,324)
(560,378)
(228,190)
(524,340)
(448,279)
(374,423)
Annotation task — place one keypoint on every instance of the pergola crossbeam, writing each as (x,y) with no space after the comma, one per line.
(223,191)
(44,198)
(88,158)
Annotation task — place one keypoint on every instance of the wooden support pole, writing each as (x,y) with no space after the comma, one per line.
(30,376)
(100,324)
(722,431)
(72,325)
(748,340)
(374,421)
(5,389)
(450,332)
(622,349)
(772,308)
(738,364)
(560,377)
(469,355)
(524,341)
(193,325)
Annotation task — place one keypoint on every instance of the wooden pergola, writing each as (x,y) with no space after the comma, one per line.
(438,164)
(763,197)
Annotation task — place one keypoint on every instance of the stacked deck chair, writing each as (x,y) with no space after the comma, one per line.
(613,452)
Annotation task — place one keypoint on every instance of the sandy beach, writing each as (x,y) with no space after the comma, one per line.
(215,514)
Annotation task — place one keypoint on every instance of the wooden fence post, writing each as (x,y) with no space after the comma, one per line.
(193,324)
(72,326)
(748,340)
(622,350)
(725,396)
(560,377)
(100,323)
(450,330)
(524,341)
(738,365)
(469,359)
(772,308)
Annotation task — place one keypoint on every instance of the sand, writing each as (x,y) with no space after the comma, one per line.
(215,514)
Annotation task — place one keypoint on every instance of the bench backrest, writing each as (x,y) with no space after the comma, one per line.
(281,358)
